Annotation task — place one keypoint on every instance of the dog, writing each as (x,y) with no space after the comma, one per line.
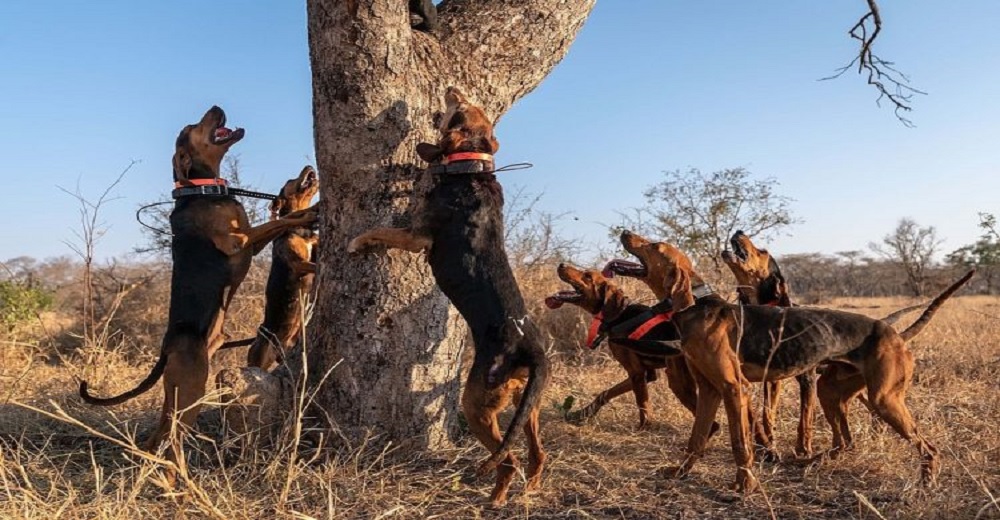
(728,345)
(459,224)
(291,276)
(761,282)
(212,246)
(596,295)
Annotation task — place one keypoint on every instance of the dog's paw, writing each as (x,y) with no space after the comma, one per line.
(746,482)
(768,454)
(356,245)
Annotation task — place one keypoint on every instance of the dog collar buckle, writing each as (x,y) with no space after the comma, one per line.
(701,291)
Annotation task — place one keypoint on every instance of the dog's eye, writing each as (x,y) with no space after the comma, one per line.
(436,118)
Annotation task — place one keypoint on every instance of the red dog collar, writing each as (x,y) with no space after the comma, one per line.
(201,182)
(644,329)
(468,156)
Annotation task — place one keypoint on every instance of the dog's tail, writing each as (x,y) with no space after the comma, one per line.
(146,384)
(925,318)
(538,379)
(897,314)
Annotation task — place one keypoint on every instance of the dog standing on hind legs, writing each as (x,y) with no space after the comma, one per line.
(459,223)
(291,275)
(212,246)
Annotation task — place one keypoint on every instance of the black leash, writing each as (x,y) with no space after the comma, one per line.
(199,190)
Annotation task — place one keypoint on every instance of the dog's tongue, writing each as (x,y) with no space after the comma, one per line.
(553,303)
(222,132)
(608,272)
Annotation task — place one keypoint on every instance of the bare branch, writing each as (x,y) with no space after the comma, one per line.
(890,83)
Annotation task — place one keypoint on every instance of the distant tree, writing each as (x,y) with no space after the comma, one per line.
(912,247)
(984,254)
(699,212)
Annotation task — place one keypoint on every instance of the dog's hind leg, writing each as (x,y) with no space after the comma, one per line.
(888,379)
(536,455)
(481,407)
(835,394)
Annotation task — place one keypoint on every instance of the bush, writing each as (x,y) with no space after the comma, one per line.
(20,302)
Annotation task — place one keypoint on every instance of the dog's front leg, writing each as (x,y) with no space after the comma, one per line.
(393,238)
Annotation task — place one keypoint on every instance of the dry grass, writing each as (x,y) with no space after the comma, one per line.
(50,469)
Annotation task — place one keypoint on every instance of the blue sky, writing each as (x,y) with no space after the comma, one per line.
(86,87)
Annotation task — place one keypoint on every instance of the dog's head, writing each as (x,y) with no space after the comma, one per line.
(591,291)
(201,146)
(758,277)
(296,193)
(464,127)
(666,270)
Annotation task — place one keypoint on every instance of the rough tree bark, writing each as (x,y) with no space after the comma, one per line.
(376,87)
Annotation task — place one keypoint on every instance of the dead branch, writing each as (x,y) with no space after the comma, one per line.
(890,83)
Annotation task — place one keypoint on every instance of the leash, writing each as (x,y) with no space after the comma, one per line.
(215,187)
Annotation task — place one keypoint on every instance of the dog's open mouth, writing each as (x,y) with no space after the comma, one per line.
(739,252)
(624,268)
(558,299)
(222,135)
(308,181)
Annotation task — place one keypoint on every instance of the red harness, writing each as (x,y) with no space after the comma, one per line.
(644,329)
(638,333)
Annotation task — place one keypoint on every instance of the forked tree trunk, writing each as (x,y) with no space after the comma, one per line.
(376,87)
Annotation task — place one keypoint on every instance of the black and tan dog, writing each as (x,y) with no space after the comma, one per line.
(459,223)
(760,282)
(212,246)
(727,345)
(596,295)
(611,309)
(291,275)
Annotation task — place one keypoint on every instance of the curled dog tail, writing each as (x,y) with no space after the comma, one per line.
(925,318)
(146,384)
(538,379)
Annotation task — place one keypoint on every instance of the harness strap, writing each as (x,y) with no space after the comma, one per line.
(592,332)
(649,324)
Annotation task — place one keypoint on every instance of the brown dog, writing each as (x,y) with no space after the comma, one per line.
(459,223)
(291,275)
(727,345)
(212,246)
(760,282)
(593,293)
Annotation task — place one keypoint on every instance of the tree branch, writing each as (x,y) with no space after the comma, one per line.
(890,83)
(503,49)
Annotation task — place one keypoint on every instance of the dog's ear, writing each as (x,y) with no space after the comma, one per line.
(276,206)
(429,152)
(783,299)
(494,144)
(182,165)
(680,291)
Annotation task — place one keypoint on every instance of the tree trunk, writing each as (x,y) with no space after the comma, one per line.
(376,87)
